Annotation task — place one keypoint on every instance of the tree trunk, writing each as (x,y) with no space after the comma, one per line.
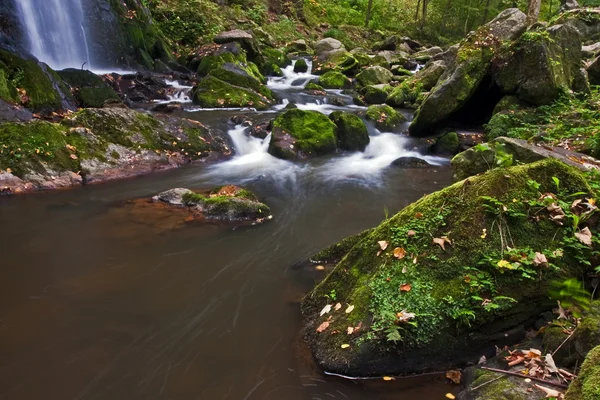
(424,14)
(417,12)
(485,12)
(533,11)
(369,10)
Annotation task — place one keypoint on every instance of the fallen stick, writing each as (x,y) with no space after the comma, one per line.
(553,383)
(564,341)
(488,382)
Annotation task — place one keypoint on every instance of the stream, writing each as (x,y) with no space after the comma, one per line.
(101,300)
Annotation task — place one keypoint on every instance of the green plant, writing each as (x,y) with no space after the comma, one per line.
(332,295)
(571,295)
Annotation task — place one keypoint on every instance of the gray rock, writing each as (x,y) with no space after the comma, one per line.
(593,70)
(427,54)
(13,113)
(328,45)
(172,196)
(411,162)
(591,50)
(245,39)
(374,76)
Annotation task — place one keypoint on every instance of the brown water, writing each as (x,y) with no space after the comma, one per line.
(102,301)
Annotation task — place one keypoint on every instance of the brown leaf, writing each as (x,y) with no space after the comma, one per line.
(350,330)
(419,215)
(323,326)
(73,156)
(383,244)
(338,306)
(405,287)
(550,393)
(454,376)
(399,253)
(540,259)
(442,241)
(585,236)
(411,233)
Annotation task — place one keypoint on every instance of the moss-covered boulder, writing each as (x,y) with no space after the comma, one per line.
(212,92)
(272,60)
(407,93)
(245,39)
(385,117)
(460,81)
(448,143)
(426,54)
(436,285)
(331,55)
(88,88)
(540,66)
(585,20)
(32,84)
(351,132)
(334,80)
(301,66)
(227,203)
(587,384)
(94,145)
(374,76)
(299,134)
(248,77)
(376,94)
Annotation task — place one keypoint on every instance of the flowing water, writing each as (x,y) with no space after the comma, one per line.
(100,299)
(55,32)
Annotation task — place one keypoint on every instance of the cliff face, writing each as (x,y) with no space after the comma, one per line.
(11,30)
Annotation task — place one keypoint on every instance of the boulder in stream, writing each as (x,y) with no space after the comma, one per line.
(385,117)
(351,132)
(227,203)
(374,76)
(334,80)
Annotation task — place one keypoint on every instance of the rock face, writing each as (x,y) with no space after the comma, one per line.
(301,134)
(227,203)
(396,273)
(374,76)
(88,88)
(587,384)
(351,132)
(301,66)
(385,117)
(407,93)
(95,145)
(427,54)
(538,68)
(474,161)
(462,79)
(585,20)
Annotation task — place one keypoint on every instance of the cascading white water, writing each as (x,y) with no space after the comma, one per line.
(291,79)
(55,31)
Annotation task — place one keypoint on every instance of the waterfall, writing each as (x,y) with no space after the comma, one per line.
(55,32)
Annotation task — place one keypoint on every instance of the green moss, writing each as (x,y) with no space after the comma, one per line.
(212,92)
(443,281)
(334,80)
(211,62)
(376,95)
(239,77)
(314,132)
(385,117)
(448,144)
(405,95)
(374,76)
(313,86)
(351,133)
(587,384)
(7,93)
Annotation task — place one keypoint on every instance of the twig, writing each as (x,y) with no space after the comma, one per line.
(553,383)
(485,383)
(564,341)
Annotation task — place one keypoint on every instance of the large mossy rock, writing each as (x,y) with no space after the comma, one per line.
(462,79)
(88,88)
(245,39)
(212,92)
(376,94)
(247,77)
(385,117)
(95,145)
(427,54)
(351,133)
(299,134)
(32,84)
(406,287)
(587,384)
(540,66)
(334,80)
(407,93)
(585,20)
(374,76)
(331,55)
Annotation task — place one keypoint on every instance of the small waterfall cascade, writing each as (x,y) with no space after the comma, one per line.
(55,32)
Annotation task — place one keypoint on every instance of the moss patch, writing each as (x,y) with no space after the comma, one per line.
(385,117)
(351,133)
(212,92)
(334,80)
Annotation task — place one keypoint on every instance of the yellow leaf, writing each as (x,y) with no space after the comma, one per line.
(320,268)
(399,253)
(388,378)
(450,396)
(504,264)
(345,346)
(484,234)
(349,309)
(9,170)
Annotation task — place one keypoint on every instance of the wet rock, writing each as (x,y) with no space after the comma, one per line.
(212,92)
(448,144)
(299,134)
(333,56)
(297,46)
(261,130)
(427,54)
(141,87)
(334,80)
(374,76)
(407,93)
(351,132)
(245,39)
(411,162)
(13,113)
(88,88)
(167,108)
(301,66)
(385,117)
(228,204)
(376,94)
(591,50)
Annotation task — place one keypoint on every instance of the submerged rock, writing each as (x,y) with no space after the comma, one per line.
(227,203)
(299,134)
(410,162)
(432,256)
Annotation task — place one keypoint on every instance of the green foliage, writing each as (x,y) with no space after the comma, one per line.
(572,296)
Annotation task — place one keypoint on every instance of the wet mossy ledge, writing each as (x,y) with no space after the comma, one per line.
(232,204)
(100,144)
(451,276)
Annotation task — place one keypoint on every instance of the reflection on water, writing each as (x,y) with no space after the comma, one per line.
(101,302)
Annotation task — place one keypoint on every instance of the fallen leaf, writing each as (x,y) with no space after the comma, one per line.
(442,241)
(411,233)
(399,253)
(550,364)
(484,234)
(326,309)
(584,236)
(549,392)
(404,316)
(388,378)
(349,309)
(404,269)
(323,326)
(504,264)
(419,215)
(454,376)
(350,330)
(450,396)
(345,346)
(9,170)
(415,260)
(73,156)
(320,268)
(383,244)
(405,287)
(338,306)
(540,259)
